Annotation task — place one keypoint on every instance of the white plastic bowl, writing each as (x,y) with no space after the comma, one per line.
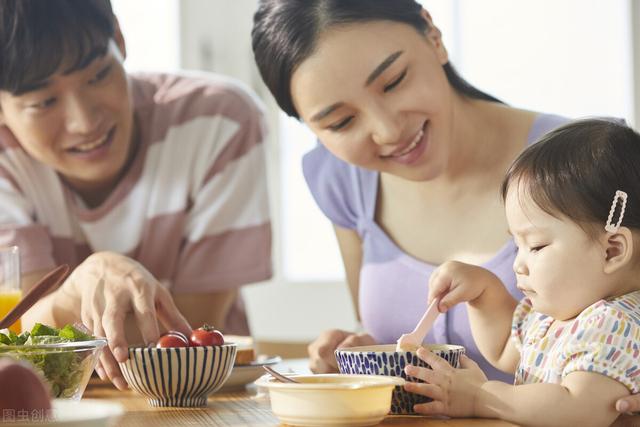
(331,399)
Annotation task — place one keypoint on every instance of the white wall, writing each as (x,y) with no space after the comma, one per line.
(151,36)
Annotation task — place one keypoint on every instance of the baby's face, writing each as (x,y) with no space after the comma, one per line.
(558,266)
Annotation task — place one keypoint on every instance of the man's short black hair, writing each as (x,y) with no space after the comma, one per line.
(38,37)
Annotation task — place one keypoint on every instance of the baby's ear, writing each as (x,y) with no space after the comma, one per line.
(618,249)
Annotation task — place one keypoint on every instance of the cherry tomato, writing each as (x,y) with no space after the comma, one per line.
(173,339)
(206,336)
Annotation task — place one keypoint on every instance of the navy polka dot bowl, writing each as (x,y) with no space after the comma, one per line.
(384,360)
(182,376)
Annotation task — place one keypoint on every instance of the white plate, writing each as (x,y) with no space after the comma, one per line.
(71,413)
(245,374)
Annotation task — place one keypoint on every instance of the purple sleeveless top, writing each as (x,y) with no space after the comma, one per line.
(394,285)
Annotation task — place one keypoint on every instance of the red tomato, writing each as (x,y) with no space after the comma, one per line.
(206,336)
(173,339)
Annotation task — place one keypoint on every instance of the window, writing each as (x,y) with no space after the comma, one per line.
(151,35)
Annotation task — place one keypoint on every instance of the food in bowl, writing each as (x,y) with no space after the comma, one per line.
(172,339)
(331,399)
(26,392)
(385,360)
(65,357)
(178,376)
(206,335)
(203,336)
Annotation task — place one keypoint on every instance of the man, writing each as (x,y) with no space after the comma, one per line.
(152,187)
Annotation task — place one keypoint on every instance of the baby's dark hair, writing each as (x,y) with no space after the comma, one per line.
(575,170)
(36,36)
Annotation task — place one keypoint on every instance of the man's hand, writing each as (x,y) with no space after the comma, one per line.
(108,286)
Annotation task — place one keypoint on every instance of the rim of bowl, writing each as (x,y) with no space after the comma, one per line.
(390,348)
(74,345)
(374,381)
(138,348)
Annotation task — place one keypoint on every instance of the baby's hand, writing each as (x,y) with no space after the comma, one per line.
(455,282)
(453,390)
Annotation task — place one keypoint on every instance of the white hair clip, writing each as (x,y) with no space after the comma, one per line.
(610,227)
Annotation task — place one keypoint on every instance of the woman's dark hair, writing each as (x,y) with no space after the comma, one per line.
(285,33)
(575,171)
(36,36)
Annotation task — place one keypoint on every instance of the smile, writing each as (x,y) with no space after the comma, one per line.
(415,142)
(92,145)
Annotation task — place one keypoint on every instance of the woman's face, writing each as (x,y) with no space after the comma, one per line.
(376,95)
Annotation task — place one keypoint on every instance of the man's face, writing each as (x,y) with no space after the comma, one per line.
(80,123)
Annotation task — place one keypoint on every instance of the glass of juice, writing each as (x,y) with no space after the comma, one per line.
(10,292)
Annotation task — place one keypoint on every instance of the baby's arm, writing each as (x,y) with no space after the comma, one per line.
(490,308)
(583,399)
(490,317)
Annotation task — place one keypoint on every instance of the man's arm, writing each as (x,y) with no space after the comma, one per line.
(54,309)
(210,308)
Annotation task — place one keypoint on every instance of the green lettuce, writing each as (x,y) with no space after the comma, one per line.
(62,368)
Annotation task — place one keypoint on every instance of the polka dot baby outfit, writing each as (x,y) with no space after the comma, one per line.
(604,338)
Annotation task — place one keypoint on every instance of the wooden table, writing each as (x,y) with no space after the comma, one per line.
(238,408)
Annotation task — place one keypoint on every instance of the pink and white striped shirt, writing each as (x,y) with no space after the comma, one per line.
(192,207)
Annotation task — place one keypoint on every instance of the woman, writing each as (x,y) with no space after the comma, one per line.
(410,161)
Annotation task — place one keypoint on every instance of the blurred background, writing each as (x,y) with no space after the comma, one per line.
(570,57)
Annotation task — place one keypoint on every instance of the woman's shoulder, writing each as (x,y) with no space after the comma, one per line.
(544,123)
(338,187)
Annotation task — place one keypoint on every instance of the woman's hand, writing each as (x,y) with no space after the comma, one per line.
(453,390)
(455,282)
(106,287)
(321,351)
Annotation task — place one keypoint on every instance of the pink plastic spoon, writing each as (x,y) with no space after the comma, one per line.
(414,339)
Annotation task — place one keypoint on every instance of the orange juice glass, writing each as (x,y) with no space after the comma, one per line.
(10,292)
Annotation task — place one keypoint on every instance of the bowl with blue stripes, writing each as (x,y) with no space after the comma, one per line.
(180,376)
(385,360)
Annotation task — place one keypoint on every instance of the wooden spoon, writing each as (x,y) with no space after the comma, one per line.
(49,282)
(277,375)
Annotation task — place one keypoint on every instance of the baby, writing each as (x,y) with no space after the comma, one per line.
(572,202)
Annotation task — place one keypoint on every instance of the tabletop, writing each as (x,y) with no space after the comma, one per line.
(244,407)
